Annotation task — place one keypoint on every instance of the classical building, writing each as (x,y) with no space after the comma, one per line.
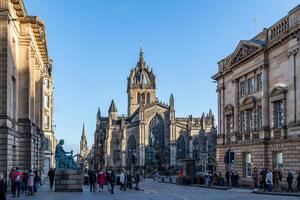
(50,140)
(258,101)
(151,135)
(24,67)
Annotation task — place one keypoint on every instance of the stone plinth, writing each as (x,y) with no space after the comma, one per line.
(68,180)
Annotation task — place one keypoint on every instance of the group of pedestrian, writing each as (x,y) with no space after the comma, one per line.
(108,178)
(21,181)
(269,180)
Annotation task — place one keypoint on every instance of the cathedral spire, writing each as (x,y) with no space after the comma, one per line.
(83,132)
(112,107)
(141,60)
(98,114)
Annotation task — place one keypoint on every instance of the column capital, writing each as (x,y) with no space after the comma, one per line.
(293,52)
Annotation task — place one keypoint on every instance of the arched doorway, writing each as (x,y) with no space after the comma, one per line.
(181,152)
(156,153)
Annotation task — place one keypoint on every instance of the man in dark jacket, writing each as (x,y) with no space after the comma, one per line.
(112,181)
(51,175)
(3,186)
(298,181)
(289,180)
(92,180)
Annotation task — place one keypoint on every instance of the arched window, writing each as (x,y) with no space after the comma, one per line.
(148,97)
(156,133)
(116,149)
(181,148)
(131,150)
(143,98)
(196,149)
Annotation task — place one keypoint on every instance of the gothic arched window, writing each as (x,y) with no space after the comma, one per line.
(131,150)
(196,148)
(180,148)
(148,97)
(116,149)
(156,132)
(143,98)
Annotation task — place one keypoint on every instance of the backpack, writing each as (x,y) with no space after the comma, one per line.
(18,178)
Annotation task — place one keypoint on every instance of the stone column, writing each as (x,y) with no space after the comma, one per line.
(219,110)
(190,147)
(265,102)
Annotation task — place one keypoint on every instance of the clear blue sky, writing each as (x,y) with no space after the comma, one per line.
(95,43)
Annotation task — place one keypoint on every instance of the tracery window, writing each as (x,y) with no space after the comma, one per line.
(131,150)
(196,149)
(148,97)
(157,132)
(181,148)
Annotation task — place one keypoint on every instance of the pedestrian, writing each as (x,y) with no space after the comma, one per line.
(17,182)
(51,175)
(255,178)
(129,181)
(122,181)
(3,187)
(92,180)
(289,180)
(137,179)
(36,181)
(298,181)
(30,182)
(112,181)
(269,180)
(276,180)
(101,180)
(24,182)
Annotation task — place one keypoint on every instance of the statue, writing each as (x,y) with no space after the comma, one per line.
(64,161)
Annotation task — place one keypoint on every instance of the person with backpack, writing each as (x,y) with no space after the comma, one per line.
(17,182)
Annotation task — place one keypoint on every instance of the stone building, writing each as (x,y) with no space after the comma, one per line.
(258,100)
(23,68)
(50,140)
(151,135)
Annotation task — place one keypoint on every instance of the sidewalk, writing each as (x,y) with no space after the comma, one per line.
(294,194)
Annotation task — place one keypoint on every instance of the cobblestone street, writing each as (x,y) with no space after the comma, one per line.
(154,190)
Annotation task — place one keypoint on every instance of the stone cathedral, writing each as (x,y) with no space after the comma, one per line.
(151,136)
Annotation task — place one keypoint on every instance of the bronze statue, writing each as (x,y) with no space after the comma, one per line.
(64,161)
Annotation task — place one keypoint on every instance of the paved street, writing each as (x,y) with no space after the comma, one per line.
(155,191)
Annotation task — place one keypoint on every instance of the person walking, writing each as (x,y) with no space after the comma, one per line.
(51,175)
(276,180)
(30,182)
(17,182)
(101,180)
(255,178)
(112,181)
(3,187)
(92,179)
(289,180)
(122,181)
(269,180)
(129,180)
(137,180)
(24,182)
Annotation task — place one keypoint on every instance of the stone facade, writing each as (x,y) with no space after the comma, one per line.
(24,65)
(84,150)
(151,136)
(258,101)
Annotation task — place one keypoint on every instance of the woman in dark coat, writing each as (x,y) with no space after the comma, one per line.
(51,175)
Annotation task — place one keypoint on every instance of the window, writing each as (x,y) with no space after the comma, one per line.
(228,124)
(277,159)
(249,120)
(259,82)
(46,101)
(180,148)
(138,98)
(46,121)
(251,85)
(259,118)
(196,150)
(242,88)
(46,84)
(247,164)
(242,122)
(148,97)
(277,105)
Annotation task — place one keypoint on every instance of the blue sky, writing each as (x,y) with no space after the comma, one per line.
(95,43)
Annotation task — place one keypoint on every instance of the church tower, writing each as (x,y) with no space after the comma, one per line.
(141,88)
(84,151)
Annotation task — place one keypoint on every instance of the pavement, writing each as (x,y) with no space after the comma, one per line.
(153,191)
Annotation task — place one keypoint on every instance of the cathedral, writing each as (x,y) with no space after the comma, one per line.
(151,136)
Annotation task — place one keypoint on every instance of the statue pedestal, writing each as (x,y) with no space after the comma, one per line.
(68,180)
